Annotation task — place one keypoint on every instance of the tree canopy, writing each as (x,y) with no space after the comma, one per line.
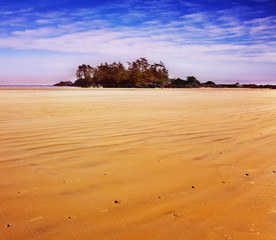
(138,73)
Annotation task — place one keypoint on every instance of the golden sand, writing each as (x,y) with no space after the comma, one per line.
(137,164)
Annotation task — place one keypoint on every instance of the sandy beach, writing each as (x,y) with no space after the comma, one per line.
(81,164)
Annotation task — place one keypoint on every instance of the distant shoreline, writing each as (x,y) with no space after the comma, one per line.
(40,87)
(26,86)
(176,84)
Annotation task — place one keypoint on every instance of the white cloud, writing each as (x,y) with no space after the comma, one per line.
(175,38)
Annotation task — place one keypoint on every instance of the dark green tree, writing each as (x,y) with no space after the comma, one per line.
(193,81)
(84,76)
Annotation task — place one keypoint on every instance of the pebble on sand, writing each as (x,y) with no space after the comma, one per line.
(192,186)
(116,201)
(175,215)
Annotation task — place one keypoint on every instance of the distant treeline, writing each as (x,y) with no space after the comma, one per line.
(139,74)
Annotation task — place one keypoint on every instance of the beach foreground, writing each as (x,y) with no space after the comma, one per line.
(137,164)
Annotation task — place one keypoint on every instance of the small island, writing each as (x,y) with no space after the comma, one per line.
(140,74)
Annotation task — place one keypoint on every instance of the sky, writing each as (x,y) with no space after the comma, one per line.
(44,41)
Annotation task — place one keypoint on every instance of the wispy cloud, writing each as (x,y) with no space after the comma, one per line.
(12,12)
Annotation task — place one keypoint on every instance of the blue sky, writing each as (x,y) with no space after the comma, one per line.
(43,41)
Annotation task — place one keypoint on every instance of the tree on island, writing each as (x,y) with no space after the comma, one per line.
(190,82)
(84,76)
(138,73)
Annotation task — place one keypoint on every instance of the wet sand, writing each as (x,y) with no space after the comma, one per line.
(137,164)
